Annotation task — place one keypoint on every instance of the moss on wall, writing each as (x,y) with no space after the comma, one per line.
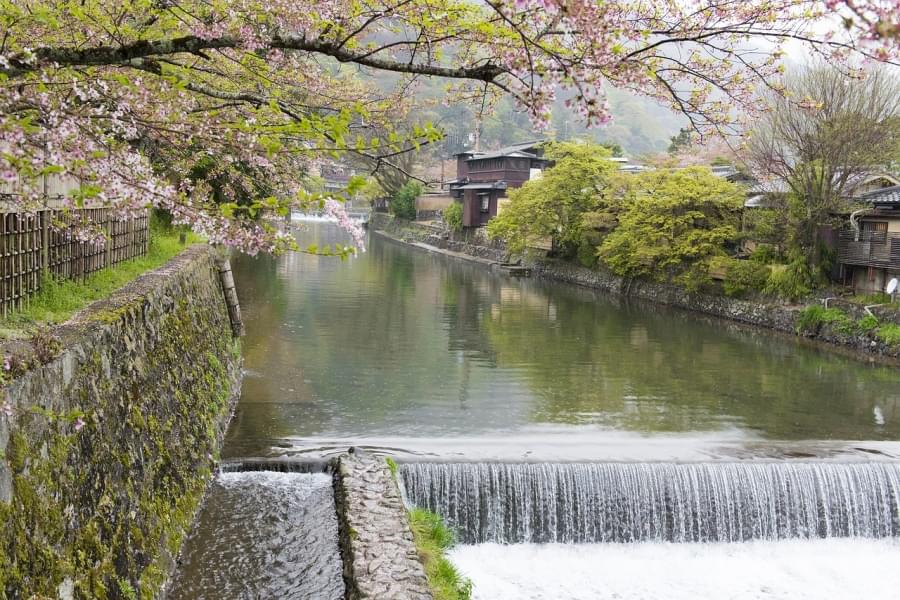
(108,448)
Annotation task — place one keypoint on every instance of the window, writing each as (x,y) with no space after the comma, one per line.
(874,231)
(485,200)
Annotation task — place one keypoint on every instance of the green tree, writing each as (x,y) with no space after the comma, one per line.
(680,141)
(817,140)
(453,216)
(403,204)
(555,205)
(671,222)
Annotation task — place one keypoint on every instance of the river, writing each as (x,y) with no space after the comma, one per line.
(433,359)
(411,351)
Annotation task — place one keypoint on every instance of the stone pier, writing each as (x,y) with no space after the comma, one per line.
(377,546)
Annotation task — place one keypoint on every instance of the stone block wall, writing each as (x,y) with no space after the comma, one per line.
(109,431)
(377,547)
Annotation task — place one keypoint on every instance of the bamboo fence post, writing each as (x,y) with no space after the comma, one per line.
(231,300)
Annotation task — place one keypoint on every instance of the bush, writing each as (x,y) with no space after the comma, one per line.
(695,279)
(765,254)
(743,277)
(867,323)
(587,254)
(403,204)
(889,333)
(453,216)
(813,317)
(791,282)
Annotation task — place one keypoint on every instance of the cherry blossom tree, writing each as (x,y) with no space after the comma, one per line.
(128,96)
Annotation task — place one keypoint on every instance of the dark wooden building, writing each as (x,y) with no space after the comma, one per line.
(483,178)
(869,248)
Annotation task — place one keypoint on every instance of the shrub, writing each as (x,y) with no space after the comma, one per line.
(587,254)
(743,277)
(765,254)
(453,216)
(403,204)
(814,316)
(46,347)
(866,324)
(889,333)
(695,279)
(791,282)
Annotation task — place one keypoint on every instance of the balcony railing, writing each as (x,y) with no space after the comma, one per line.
(869,249)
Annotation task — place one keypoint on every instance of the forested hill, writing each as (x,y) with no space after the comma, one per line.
(639,125)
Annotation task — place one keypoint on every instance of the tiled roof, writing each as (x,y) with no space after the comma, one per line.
(888,195)
(515,150)
(484,185)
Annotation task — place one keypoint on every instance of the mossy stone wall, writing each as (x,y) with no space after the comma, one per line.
(107,448)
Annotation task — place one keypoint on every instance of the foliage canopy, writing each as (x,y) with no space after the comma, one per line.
(555,204)
(126,97)
(672,220)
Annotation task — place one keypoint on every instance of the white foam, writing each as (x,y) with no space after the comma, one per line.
(828,569)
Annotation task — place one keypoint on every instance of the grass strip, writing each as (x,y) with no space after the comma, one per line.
(59,299)
(433,539)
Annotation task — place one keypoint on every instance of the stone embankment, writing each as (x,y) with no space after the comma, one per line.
(771,315)
(377,546)
(473,246)
(110,426)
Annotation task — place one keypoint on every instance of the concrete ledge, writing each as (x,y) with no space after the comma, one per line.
(380,561)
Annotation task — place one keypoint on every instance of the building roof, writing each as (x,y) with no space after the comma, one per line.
(484,185)
(520,150)
(504,154)
(779,186)
(761,201)
(884,196)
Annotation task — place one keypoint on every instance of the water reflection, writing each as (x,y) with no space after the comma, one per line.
(401,343)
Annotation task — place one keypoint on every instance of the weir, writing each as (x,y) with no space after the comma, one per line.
(671,502)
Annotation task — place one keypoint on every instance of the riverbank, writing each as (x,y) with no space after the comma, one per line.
(58,300)
(786,318)
(110,427)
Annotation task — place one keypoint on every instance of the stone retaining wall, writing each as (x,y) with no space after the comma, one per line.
(473,244)
(377,546)
(110,426)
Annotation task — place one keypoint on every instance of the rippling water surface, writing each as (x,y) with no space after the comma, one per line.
(260,536)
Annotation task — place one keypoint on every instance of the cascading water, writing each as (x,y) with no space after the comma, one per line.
(630,502)
(263,534)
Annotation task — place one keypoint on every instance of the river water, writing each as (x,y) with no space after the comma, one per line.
(263,535)
(438,360)
(411,351)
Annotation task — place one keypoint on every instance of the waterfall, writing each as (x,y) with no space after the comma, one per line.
(674,502)
(306,465)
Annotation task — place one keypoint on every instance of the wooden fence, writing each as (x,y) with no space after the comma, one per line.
(36,245)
